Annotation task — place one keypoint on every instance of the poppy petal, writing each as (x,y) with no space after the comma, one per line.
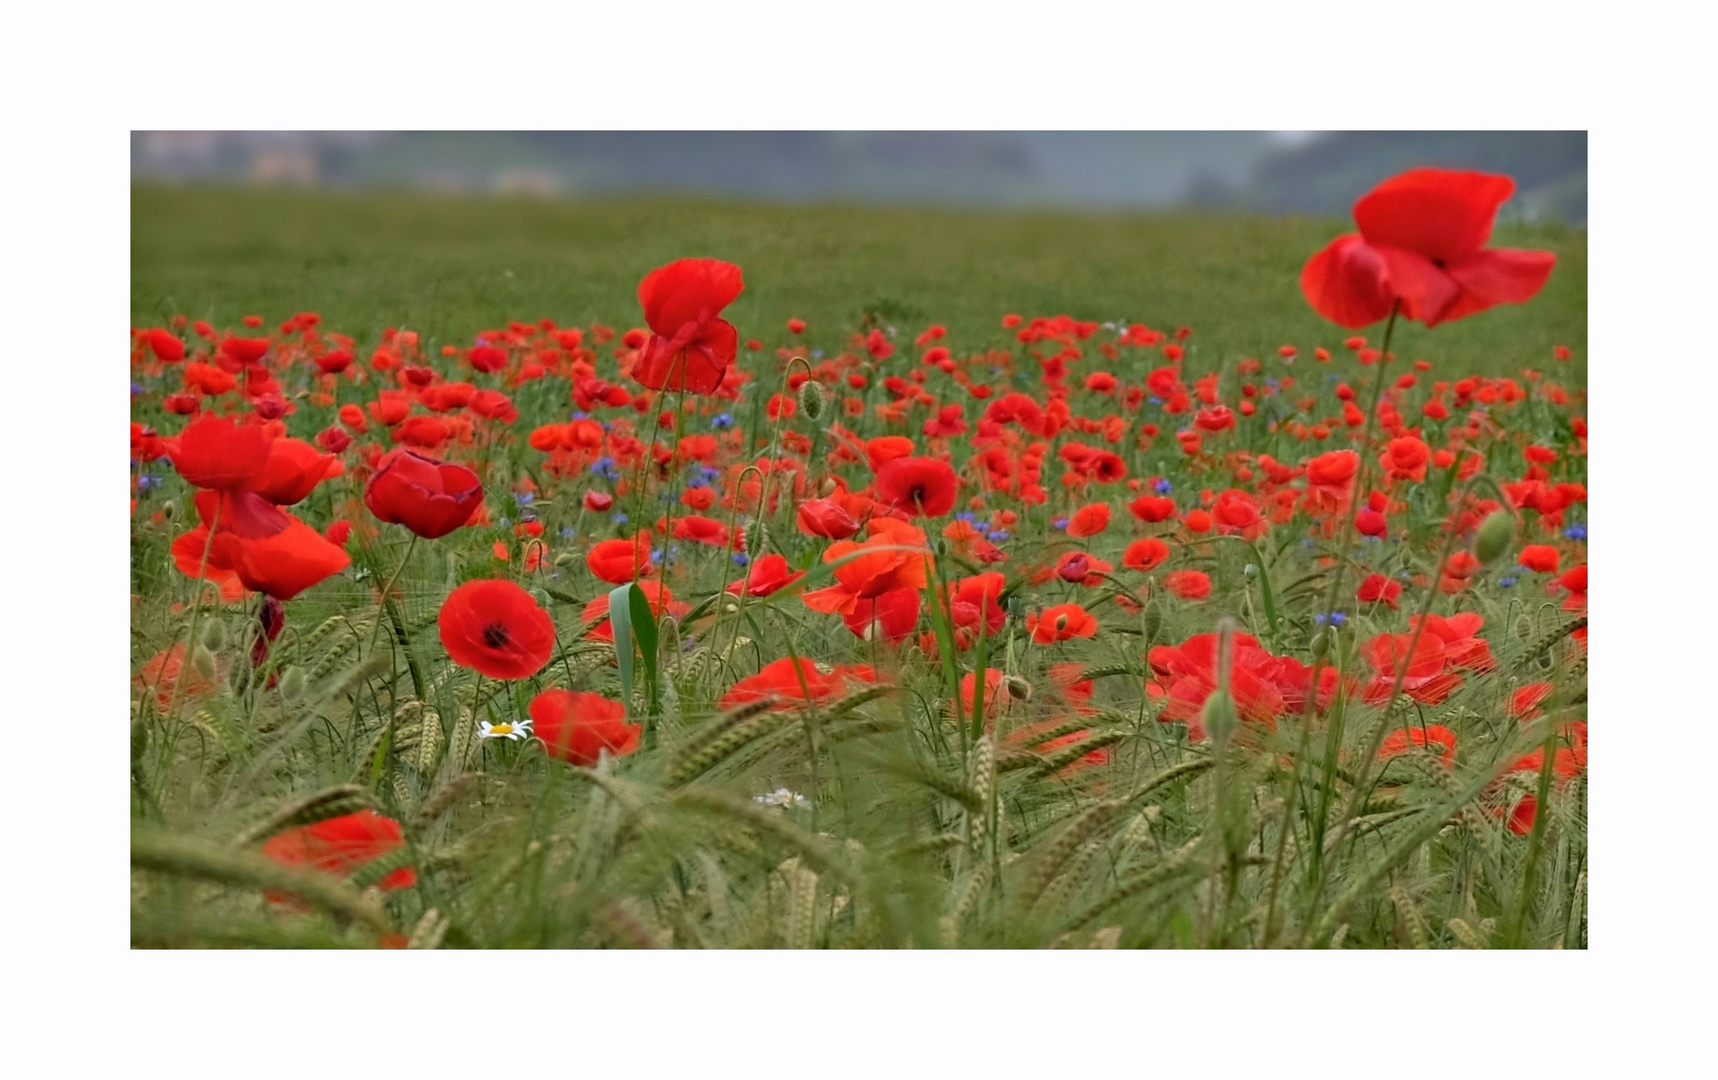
(1345,283)
(1427,292)
(1441,214)
(1499,276)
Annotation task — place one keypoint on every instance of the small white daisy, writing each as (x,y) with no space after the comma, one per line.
(520,730)
(780,797)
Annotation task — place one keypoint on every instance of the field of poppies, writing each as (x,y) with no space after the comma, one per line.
(1244,607)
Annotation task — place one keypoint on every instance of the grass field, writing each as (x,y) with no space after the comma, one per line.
(1205,657)
(450,268)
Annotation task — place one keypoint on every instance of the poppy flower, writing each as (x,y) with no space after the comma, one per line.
(793,681)
(284,563)
(659,597)
(1438,739)
(495,628)
(1540,558)
(340,845)
(1186,674)
(1378,589)
(822,517)
(216,453)
(1189,584)
(1061,623)
(576,727)
(1089,520)
(690,346)
(892,557)
(1421,244)
(292,471)
(889,616)
(1146,554)
(620,561)
(430,497)
(167,673)
(768,574)
(1152,508)
(920,487)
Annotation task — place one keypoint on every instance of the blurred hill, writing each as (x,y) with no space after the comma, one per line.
(1274,173)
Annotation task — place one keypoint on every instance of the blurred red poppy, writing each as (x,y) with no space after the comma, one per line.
(339,846)
(576,727)
(1421,244)
(691,346)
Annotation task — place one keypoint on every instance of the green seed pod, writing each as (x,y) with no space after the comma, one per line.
(566,558)
(204,661)
(1320,645)
(169,510)
(1219,715)
(292,684)
(1153,621)
(811,399)
(214,635)
(1495,535)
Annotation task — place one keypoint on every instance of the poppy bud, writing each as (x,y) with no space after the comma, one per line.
(139,741)
(565,558)
(1153,620)
(811,399)
(1250,571)
(1018,689)
(1321,645)
(1219,715)
(214,635)
(292,684)
(1495,535)
(169,511)
(204,661)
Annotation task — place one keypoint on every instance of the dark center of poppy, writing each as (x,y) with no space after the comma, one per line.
(495,635)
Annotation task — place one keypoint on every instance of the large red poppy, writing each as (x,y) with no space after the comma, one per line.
(690,346)
(1422,242)
(216,453)
(495,628)
(917,486)
(339,846)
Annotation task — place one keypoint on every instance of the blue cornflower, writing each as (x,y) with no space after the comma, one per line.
(144,483)
(581,416)
(1163,487)
(1155,400)
(722,421)
(817,354)
(1506,581)
(524,498)
(1576,532)
(619,518)
(1059,523)
(136,389)
(742,559)
(998,536)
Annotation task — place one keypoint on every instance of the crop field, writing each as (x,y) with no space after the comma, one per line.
(521,574)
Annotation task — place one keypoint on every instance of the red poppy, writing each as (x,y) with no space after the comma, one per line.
(691,345)
(1151,508)
(1440,740)
(620,561)
(793,681)
(822,517)
(1146,554)
(495,628)
(892,557)
(167,673)
(1541,558)
(1189,584)
(1378,589)
(340,845)
(890,616)
(216,453)
(1421,243)
(292,471)
(1089,520)
(282,563)
(917,486)
(767,575)
(431,498)
(1061,623)
(576,727)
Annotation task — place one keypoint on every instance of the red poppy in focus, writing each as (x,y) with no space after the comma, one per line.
(1421,244)
(1541,558)
(339,846)
(430,497)
(917,486)
(823,517)
(283,563)
(495,628)
(691,345)
(576,727)
(1089,520)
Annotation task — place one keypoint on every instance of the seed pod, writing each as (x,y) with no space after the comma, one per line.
(565,558)
(1495,535)
(1219,715)
(204,661)
(292,684)
(169,510)
(214,635)
(1320,645)
(811,398)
